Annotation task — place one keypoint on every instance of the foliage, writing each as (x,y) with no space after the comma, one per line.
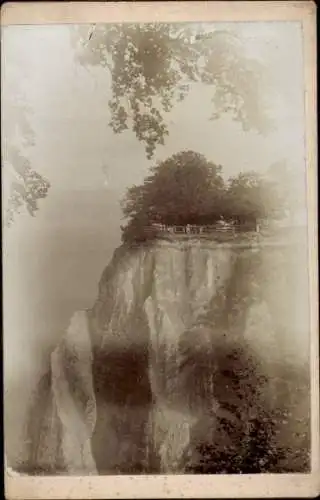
(250,196)
(260,446)
(255,454)
(25,186)
(185,188)
(188,189)
(153,65)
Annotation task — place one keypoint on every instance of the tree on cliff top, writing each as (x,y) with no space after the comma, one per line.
(188,189)
(250,196)
(184,189)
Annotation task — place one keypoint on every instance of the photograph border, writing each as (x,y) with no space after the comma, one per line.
(18,486)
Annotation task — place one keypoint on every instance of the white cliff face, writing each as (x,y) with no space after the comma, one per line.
(178,298)
(142,374)
(179,279)
(73,395)
(175,283)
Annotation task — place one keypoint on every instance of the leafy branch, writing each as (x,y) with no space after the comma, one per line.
(153,66)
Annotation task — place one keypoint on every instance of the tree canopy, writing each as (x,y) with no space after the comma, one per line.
(153,65)
(188,189)
(251,196)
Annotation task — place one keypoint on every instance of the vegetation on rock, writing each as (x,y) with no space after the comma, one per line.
(188,189)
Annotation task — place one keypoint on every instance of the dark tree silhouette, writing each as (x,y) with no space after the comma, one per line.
(184,189)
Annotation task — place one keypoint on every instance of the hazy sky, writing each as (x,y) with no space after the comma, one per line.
(54,261)
(70,112)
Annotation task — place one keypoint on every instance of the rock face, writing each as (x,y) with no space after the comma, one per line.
(190,360)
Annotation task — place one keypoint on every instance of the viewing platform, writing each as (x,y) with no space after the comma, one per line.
(258,234)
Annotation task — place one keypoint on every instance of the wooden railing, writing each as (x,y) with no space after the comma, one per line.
(203,229)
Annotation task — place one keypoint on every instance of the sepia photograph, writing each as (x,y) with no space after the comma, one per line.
(159,248)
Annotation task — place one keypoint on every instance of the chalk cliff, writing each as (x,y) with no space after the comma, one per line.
(191,350)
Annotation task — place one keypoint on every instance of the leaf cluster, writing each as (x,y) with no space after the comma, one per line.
(26,189)
(26,186)
(153,65)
